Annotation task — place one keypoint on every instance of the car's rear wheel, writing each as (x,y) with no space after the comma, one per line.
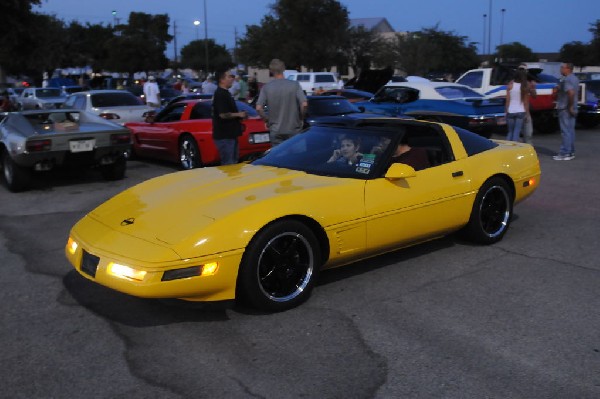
(116,170)
(492,212)
(16,177)
(280,266)
(189,154)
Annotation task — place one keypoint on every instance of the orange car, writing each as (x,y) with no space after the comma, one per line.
(182,133)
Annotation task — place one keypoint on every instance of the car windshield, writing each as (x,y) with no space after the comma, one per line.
(46,93)
(334,151)
(330,107)
(453,92)
(592,90)
(114,99)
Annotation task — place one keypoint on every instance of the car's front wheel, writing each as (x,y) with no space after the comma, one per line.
(189,154)
(17,178)
(280,266)
(491,213)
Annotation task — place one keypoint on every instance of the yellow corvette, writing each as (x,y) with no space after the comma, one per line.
(337,193)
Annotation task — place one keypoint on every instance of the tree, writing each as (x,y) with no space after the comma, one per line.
(140,44)
(193,55)
(576,52)
(300,32)
(433,50)
(82,47)
(14,34)
(514,52)
(362,48)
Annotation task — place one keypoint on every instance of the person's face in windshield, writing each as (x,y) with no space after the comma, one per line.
(348,148)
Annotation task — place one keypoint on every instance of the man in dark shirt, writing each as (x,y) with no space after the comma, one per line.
(226,119)
(412,156)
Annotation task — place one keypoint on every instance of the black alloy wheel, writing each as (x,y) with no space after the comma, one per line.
(189,154)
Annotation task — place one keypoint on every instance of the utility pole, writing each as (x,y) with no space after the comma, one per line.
(175,40)
(490,30)
(205,37)
(235,60)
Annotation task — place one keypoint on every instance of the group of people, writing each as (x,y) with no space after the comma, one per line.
(521,89)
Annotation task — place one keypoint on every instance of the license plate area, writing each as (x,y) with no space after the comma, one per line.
(258,138)
(82,145)
(89,264)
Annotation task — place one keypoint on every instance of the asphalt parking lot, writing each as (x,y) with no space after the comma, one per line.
(445,319)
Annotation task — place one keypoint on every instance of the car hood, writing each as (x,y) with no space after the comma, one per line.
(172,208)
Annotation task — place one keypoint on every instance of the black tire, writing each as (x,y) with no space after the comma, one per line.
(17,178)
(115,171)
(492,212)
(189,154)
(279,267)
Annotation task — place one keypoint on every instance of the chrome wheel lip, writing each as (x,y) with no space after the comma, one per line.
(187,154)
(494,211)
(302,281)
(7,169)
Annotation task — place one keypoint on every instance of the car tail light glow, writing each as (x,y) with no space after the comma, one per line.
(38,145)
(122,138)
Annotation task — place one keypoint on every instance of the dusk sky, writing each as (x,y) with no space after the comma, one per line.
(543,26)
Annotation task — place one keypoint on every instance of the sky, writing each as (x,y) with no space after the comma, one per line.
(542,25)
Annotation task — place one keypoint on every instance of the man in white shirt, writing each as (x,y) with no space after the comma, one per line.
(151,92)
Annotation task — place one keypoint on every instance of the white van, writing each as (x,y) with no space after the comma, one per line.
(311,81)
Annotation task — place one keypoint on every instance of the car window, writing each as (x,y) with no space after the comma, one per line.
(201,111)
(472,79)
(45,93)
(120,99)
(324,78)
(70,103)
(452,92)
(331,107)
(242,106)
(172,113)
(80,102)
(474,143)
(292,77)
(303,78)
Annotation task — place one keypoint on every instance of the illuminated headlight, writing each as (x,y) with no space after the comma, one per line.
(208,269)
(72,246)
(125,272)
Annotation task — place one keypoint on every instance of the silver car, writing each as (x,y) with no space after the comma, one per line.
(42,140)
(119,106)
(40,98)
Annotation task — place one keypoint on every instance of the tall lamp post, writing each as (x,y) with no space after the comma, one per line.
(484,34)
(205,37)
(196,24)
(490,30)
(502,26)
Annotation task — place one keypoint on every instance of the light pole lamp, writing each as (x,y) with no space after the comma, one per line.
(197,24)
(502,26)
(484,34)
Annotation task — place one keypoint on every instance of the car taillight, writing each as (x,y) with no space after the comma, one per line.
(38,145)
(122,138)
(109,115)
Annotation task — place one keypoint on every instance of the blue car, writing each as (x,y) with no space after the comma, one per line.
(589,104)
(450,103)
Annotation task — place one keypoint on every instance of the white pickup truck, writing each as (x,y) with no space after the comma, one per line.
(492,82)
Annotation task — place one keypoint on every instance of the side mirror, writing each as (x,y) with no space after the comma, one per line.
(400,171)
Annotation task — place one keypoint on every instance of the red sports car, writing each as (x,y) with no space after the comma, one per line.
(182,132)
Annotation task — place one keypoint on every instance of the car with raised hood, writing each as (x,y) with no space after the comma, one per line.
(261,232)
(37,141)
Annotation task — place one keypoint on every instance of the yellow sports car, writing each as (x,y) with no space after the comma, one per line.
(341,191)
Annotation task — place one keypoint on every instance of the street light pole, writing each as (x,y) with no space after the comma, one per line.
(490,29)
(205,37)
(484,34)
(502,27)
(196,24)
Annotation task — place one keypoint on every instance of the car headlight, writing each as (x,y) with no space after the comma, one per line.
(126,272)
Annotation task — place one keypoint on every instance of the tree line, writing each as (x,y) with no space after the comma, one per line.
(316,34)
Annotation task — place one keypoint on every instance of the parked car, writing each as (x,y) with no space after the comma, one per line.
(323,108)
(589,105)
(119,106)
(33,141)
(352,95)
(445,102)
(189,96)
(262,232)
(40,98)
(311,81)
(182,133)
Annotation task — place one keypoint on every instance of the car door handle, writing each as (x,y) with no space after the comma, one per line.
(457,174)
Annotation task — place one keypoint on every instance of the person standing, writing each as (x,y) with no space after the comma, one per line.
(517,104)
(286,104)
(243,88)
(226,120)
(235,88)
(151,92)
(566,104)
(208,86)
(528,123)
